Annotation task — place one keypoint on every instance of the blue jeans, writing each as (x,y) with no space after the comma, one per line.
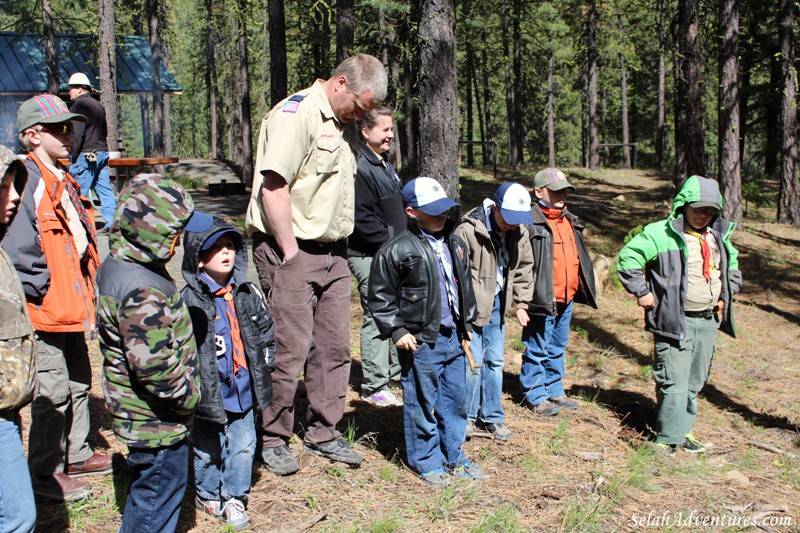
(545,339)
(158,482)
(485,387)
(17,507)
(94,176)
(223,457)
(434,404)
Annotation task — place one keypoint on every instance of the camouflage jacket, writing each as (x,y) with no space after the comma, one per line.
(150,377)
(17,356)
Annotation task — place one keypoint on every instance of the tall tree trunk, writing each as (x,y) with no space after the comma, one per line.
(487,98)
(245,140)
(438,95)
(153,12)
(773,112)
(469,103)
(730,176)
(661,112)
(788,210)
(746,68)
(519,131)
(688,93)
(409,137)
(591,60)
(345,29)
(551,132)
(321,38)
(389,61)
(144,112)
(107,64)
(479,107)
(277,52)
(167,103)
(511,117)
(603,129)
(212,85)
(50,54)
(623,90)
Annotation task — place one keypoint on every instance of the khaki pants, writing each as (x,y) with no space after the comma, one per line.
(309,299)
(60,412)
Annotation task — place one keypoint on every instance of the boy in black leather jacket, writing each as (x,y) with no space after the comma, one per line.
(421,297)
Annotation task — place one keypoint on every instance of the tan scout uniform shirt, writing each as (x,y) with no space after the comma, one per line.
(305,143)
(701,294)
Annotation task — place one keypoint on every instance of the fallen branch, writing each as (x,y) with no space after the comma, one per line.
(308,524)
(770,448)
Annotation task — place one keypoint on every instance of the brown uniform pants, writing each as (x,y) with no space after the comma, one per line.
(309,298)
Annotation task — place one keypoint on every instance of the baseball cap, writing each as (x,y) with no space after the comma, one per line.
(198,222)
(79,79)
(44,109)
(514,202)
(551,178)
(427,195)
(698,205)
(237,238)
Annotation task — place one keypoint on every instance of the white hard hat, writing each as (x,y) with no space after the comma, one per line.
(79,79)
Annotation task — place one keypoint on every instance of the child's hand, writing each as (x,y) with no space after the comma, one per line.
(647,301)
(719,308)
(522,317)
(407,342)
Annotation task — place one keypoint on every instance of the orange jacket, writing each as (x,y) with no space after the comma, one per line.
(58,283)
(566,262)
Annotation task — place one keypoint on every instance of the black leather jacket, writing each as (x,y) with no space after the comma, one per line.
(404,286)
(544,302)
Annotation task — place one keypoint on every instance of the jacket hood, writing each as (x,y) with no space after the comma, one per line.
(696,189)
(151,210)
(9,162)
(192,244)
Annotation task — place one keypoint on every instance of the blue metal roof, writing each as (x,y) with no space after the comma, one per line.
(22,61)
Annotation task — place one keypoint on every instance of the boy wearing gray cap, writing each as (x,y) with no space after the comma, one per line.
(684,271)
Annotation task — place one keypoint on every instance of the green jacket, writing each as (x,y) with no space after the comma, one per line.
(150,375)
(655,261)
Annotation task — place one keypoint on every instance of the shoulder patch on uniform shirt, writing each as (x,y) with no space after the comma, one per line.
(293,103)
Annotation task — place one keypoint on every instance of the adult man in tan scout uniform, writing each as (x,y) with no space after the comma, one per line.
(300,214)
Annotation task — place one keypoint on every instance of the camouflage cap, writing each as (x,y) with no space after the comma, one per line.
(152,209)
(9,161)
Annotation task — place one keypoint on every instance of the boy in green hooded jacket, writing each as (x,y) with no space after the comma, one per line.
(684,272)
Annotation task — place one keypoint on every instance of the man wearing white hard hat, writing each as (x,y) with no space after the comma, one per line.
(89,151)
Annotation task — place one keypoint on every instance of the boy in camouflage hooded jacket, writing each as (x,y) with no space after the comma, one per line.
(150,376)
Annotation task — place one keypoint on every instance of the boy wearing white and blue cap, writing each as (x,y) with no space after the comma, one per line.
(421,297)
(501,265)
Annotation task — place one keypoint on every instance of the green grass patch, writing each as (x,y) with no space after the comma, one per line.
(501,519)
(385,525)
(560,438)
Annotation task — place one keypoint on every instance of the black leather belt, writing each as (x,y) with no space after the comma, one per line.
(447,332)
(708,313)
(315,247)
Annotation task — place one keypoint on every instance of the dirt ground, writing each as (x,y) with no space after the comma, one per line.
(584,470)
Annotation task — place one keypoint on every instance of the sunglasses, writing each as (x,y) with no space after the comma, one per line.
(58,129)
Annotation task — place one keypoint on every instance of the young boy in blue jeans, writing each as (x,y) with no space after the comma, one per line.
(235,344)
(501,264)
(420,295)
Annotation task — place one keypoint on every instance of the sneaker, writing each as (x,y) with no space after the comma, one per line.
(235,515)
(665,450)
(60,488)
(564,402)
(383,398)
(499,431)
(279,460)
(470,431)
(468,470)
(335,450)
(544,408)
(692,445)
(212,507)
(438,478)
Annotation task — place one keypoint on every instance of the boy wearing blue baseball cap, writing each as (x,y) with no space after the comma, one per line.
(501,265)
(420,295)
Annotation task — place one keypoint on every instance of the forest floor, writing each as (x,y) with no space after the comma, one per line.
(584,470)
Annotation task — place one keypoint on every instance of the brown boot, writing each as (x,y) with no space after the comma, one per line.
(60,488)
(97,464)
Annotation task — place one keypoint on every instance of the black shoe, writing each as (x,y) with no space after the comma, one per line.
(279,460)
(335,450)
(564,402)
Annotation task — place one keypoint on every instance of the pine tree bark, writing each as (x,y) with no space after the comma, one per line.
(244,140)
(623,89)
(487,98)
(107,64)
(153,11)
(277,52)
(551,132)
(438,95)
(345,29)
(519,131)
(50,54)
(788,210)
(212,86)
(661,111)
(689,139)
(511,117)
(410,111)
(730,180)
(591,60)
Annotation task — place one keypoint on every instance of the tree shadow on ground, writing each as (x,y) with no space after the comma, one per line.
(609,340)
(725,402)
(635,411)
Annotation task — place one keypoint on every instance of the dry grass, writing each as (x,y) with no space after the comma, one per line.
(585,470)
